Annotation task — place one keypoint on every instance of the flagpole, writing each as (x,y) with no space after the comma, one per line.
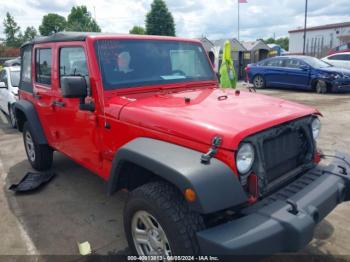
(238,19)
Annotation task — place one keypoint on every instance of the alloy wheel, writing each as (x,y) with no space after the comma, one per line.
(30,146)
(258,82)
(148,235)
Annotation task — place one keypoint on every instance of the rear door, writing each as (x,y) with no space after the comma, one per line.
(274,72)
(76,131)
(42,86)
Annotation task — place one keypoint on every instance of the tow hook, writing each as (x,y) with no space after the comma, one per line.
(215,143)
(294,210)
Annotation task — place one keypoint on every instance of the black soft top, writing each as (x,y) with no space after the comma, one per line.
(61,37)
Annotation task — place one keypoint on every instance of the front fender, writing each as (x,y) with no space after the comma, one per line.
(216,186)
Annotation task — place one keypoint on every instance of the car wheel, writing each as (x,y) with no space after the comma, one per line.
(259,82)
(12,116)
(39,156)
(321,87)
(158,221)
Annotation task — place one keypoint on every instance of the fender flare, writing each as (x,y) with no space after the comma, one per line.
(33,120)
(216,186)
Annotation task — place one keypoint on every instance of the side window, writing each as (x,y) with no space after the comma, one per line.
(342,47)
(347,57)
(275,62)
(73,62)
(292,63)
(43,65)
(3,77)
(334,57)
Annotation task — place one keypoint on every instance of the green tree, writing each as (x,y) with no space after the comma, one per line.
(137,30)
(80,20)
(52,23)
(29,34)
(12,31)
(159,21)
(283,42)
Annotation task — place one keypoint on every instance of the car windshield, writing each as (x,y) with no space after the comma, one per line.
(132,63)
(14,78)
(315,62)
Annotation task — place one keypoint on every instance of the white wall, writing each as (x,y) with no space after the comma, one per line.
(317,41)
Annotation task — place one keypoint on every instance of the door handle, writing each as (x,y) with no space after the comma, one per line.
(58,103)
(37,95)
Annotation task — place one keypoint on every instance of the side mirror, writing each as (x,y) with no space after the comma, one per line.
(73,87)
(3,85)
(304,67)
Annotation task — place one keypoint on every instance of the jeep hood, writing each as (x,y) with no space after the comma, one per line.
(209,112)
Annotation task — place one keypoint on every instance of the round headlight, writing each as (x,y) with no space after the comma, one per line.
(316,128)
(245,158)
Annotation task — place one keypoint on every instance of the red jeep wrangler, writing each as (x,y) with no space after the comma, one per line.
(210,171)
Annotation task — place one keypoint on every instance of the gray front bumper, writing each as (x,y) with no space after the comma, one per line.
(272,225)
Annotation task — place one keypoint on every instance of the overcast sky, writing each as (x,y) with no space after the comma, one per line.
(194,18)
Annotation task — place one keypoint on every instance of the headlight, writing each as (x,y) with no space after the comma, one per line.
(336,75)
(245,158)
(316,128)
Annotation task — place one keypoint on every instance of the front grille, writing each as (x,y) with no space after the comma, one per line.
(284,153)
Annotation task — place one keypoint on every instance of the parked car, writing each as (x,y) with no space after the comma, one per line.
(341,60)
(9,80)
(298,72)
(208,170)
(340,49)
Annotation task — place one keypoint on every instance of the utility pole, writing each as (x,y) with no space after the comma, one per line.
(238,19)
(305,27)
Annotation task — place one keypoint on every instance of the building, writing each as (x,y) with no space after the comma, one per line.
(319,39)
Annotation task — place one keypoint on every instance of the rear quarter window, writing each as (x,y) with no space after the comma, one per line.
(26,69)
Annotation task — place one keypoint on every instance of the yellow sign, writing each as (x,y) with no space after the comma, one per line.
(246,56)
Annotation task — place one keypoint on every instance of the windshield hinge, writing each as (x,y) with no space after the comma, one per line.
(215,143)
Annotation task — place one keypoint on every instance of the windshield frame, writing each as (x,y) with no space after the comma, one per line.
(141,84)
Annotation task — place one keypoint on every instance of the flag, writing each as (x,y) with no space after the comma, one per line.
(242,1)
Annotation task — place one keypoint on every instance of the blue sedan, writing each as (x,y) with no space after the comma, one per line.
(298,72)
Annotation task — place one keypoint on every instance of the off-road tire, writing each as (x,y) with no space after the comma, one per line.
(165,203)
(321,87)
(259,82)
(43,153)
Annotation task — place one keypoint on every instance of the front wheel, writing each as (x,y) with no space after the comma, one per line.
(39,156)
(157,221)
(321,87)
(259,82)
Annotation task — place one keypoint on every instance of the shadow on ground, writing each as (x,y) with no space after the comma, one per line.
(73,207)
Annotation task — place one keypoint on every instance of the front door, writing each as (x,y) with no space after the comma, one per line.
(297,77)
(76,131)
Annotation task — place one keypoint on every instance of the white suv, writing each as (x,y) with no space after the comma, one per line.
(341,60)
(9,80)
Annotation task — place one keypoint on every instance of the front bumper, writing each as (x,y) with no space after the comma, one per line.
(286,220)
(341,85)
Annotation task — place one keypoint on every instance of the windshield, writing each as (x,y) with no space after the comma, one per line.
(14,78)
(131,63)
(315,62)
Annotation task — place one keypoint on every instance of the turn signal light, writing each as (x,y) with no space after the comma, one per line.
(190,195)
